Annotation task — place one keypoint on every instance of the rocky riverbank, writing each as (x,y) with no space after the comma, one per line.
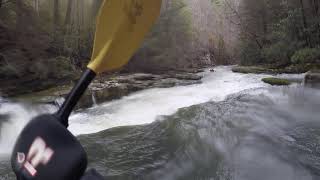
(108,88)
(293,69)
(312,77)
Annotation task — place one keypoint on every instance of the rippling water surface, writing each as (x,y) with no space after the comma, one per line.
(230,127)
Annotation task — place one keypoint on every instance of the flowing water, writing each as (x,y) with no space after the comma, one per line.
(232,126)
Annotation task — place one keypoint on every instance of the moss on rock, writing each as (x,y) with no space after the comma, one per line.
(252,69)
(276,81)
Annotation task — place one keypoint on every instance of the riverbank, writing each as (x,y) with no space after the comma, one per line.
(111,87)
(235,121)
(265,69)
(311,71)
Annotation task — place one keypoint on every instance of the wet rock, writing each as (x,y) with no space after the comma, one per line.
(144,77)
(312,79)
(48,96)
(212,70)
(111,88)
(251,69)
(136,87)
(188,83)
(192,71)
(193,77)
(166,83)
(121,86)
(276,81)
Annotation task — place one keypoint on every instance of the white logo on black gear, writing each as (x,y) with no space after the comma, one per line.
(38,153)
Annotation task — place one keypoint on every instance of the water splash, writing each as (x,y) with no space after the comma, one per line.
(139,108)
(145,106)
(94,100)
(18,116)
(264,133)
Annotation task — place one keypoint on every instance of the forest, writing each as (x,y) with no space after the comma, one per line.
(279,33)
(51,40)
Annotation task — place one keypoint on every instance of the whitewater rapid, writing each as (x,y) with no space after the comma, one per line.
(136,109)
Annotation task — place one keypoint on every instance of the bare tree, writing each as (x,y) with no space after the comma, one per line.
(19,12)
(67,18)
(36,6)
(95,7)
(305,23)
(56,20)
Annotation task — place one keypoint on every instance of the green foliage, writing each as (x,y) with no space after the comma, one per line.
(276,81)
(279,53)
(306,55)
(288,28)
(250,54)
(285,35)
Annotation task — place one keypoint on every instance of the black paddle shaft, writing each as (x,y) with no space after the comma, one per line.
(74,96)
(45,148)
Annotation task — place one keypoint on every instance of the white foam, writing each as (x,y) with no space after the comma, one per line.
(138,108)
(19,115)
(144,107)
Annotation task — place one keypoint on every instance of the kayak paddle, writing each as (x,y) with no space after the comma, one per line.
(45,149)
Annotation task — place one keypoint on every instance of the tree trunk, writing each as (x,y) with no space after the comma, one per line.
(304,20)
(36,6)
(56,20)
(19,12)
(95,8)
(316,7)
(264,25)
(305,24)
(67,19)
(56,13)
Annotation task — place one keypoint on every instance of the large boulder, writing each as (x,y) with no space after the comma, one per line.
(109,88)
(312,79)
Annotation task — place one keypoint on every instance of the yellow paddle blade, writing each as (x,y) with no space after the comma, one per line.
(120,30)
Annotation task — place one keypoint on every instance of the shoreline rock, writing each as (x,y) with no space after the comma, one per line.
(110,88)
(252,69)
(267,69)
(312,79)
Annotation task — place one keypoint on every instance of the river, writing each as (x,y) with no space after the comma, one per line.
(232,126)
